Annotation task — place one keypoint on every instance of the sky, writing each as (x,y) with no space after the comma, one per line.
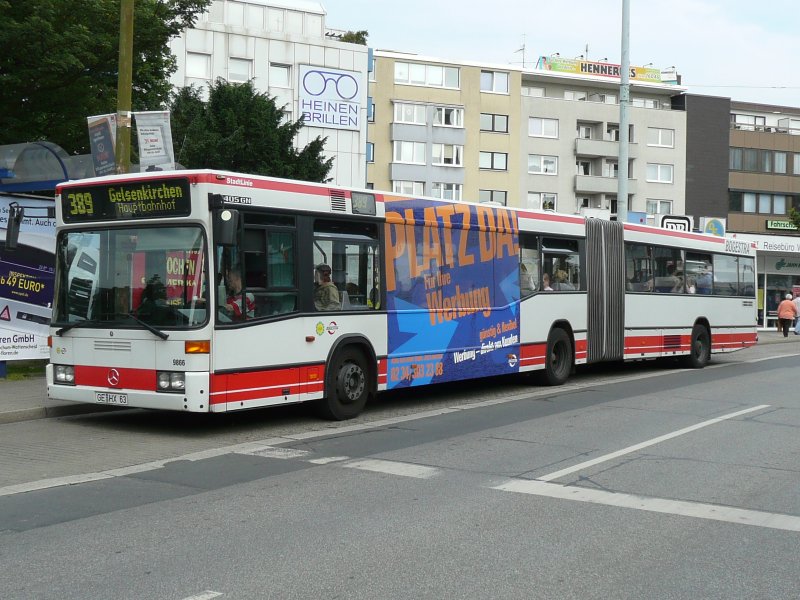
(744,50)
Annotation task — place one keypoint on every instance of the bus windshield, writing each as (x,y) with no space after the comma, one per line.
(130,277)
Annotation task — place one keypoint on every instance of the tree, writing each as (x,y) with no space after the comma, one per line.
(355,37)
(240,129)
(59,63)
(794,215)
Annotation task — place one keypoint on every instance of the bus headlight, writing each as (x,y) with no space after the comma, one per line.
(170,381)
(64,374)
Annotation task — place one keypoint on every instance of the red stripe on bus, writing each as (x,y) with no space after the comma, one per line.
(123,377)
(675,233)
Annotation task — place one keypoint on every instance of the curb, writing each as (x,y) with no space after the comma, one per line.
(51,412)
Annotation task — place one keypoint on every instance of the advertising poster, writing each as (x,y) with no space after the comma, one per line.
(155,141)
(330,97)
(26,281)
(102,137)
(452,292)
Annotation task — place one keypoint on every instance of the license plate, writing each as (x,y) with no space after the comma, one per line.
(111,398)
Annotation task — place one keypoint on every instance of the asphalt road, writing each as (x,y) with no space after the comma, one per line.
(629,482)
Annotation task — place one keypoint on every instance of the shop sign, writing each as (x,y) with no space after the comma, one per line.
(782,264)
(785,225)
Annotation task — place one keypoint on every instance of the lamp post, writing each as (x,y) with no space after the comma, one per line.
(124,84)
(624,104)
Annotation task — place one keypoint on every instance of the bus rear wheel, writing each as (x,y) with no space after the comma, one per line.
(700,351)
(348,389)
(558,361)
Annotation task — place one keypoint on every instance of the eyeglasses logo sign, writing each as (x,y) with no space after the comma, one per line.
(329,97)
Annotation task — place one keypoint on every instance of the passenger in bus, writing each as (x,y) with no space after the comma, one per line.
(704,281)
(691,285)
(562,281)
(237,305)
(526,283)
(546,283)
(326,295)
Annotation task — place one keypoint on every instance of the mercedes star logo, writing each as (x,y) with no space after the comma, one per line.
(113,377)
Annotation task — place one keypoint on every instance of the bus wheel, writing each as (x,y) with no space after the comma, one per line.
(558,362)
(349,389)
(700,351)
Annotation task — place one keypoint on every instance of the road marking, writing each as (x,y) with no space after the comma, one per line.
(657,440)
(683,508)
(393,468)
(207,595)
(326,460)
(273,452)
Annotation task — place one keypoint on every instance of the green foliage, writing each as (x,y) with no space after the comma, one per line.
(240,129)
(794,215)
(355,37)
(59,63)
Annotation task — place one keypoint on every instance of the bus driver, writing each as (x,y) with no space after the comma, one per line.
(326,296)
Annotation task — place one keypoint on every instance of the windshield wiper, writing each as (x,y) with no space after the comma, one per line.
(83,323)
(145,324)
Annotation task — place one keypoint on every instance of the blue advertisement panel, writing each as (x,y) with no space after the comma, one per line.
(26,281)
(452,280)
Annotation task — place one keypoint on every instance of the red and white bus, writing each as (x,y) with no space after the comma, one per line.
(210,291)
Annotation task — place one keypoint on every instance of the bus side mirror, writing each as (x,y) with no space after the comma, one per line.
(226,226)
(15,215)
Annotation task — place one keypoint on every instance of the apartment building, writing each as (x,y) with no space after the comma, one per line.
(540,138)
(285,48)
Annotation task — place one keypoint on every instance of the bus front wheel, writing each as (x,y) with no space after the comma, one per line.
(700,351)
(348,389)
(558,361)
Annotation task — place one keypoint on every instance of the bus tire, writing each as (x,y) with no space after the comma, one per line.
(348,389)
(559,358)
(700,350)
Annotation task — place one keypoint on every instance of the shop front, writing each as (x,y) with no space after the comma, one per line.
(778,267)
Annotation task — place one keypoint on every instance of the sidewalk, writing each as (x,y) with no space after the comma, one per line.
(26,399)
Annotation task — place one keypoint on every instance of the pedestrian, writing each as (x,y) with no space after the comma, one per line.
(787,312)
(797,320)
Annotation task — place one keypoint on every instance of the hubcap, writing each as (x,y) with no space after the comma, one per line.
(353,382)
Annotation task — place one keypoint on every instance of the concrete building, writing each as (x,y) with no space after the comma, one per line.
(539,138)
(285,48)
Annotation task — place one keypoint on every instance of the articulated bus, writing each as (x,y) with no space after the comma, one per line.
(210,291)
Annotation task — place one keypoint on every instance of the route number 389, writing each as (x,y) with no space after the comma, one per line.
(80,203)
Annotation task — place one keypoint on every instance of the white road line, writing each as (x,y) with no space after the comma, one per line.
(393,468)
(273,452)
(326,460)
(698,510)
(207,595)
(659,439)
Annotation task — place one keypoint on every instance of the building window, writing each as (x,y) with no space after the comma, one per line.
(542,164)
(575,95)
(495,123)
(748,122)
(749,202)
(446,191)
(659,207)
(409,113)
(496,161)
(198,66)
(750,159)
(279,75)
(447,154)
(796,164)
(660,137)
(370,152)
(657,173)
(539,127)
(408,188)
(427,75)
(239,69)
(409,152)
(542,200)
(645,102)
(735,163)
(500,196)
(765,161)
(779,204)
(494,81)
(779,159)
(444,116)
(612,133)
(535,92)
(371,112)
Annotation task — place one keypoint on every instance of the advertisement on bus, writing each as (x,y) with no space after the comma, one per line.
(26,281)
(452,291)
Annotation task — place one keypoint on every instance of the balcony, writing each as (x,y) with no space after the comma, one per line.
(601,148)
(594,184)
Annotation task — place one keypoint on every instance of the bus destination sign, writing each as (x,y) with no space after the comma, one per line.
(148,199)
